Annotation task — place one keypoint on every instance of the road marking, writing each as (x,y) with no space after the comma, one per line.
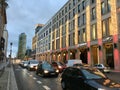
(39,82)
(30,75)
(46,87)
(34,78)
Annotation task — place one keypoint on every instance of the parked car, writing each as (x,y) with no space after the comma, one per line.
(72,62)
(86,78)
(46,69)
(102,67)
(32,64)
(58,65)
(78,65)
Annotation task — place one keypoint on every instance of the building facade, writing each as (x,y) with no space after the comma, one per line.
(83,29)
(34,40)
(5,35)
(22,46)
(3,22)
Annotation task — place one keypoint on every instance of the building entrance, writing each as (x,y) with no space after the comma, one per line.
(109,56)
(95,55)
(83,55)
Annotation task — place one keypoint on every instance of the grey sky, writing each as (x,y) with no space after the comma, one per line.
(23,15)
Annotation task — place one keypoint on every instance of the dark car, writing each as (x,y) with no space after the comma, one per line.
(59,65)
(46,69)
(86,79)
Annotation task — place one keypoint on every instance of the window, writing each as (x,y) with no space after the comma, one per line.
(104,28)
(93,1)
(78,8)
(84,18)
(63,30)
(62,12)
(73,12)
(53,45)
(109,26)
(93,16)
(65,9)
(79,36)
(46,33)
(83,5)
(58,33)
(84,35)
(69,6)
(93,32)
(64,42)
(69,15)
(58,44)
(62,20)
(65,18)
(103,8)
(50,30)
(74,2)
(73,24)
(72,39)
(108,5)
(78,21)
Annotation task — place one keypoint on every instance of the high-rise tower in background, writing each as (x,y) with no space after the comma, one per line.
(22,46)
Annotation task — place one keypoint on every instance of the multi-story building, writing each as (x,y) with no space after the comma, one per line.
(3,22)
(5,35)
(34,40)
(83,29)
(22,46)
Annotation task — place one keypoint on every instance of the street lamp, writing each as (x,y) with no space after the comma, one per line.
(11,49)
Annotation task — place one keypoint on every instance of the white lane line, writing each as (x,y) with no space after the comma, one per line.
(46,87)
(34,78)
(30,75)
(39,82)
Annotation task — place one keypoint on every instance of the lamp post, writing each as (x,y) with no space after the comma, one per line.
(10,53)
(11,49)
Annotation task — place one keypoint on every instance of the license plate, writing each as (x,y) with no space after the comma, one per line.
(52,73)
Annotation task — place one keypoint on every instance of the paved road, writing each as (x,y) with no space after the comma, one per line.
(114,76)
(28,80)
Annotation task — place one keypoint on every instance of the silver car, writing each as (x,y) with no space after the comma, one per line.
(32,64)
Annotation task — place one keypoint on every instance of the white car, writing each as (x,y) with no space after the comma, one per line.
(73,61)
(102,67)
(32,64)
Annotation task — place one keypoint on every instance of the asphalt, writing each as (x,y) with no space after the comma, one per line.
(7,78)
(8,81)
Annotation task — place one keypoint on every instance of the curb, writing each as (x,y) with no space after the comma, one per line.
(12,85)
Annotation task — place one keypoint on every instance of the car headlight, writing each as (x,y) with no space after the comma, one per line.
(45,71)
(31,66)
(57,71)
(59,66)
(100,89)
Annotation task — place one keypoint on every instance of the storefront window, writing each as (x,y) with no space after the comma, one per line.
(94,32)
(103,28)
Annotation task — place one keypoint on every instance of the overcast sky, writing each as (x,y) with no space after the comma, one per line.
(23,15)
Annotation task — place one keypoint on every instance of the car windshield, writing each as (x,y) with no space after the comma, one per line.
(47,66)
(93,74)
(26,62)
(34,62)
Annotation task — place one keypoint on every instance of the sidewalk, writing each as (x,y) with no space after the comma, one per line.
(7,78)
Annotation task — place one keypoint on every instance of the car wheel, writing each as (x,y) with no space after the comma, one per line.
(37,73)
(63,85)
(29,69)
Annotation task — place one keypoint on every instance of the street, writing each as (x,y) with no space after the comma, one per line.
(28,80)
